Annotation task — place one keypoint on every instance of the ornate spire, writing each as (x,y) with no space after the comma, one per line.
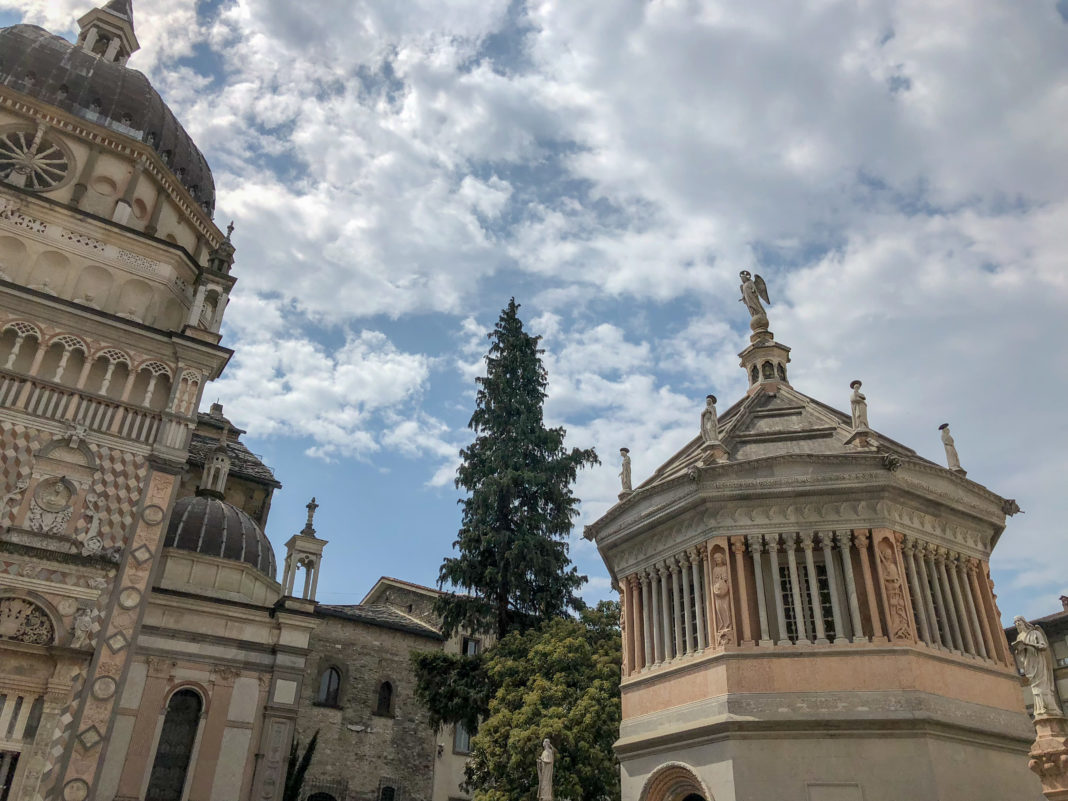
(765,360)
(108,31)
(216,470)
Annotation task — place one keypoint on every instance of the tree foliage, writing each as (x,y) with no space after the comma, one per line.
(297,768)
(453,688)
(559,681)
(512,566)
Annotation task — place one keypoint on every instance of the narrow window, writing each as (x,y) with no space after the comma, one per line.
(387,793)
(171,765)
(461,741)
(329,684)
(470,646)
(385,699)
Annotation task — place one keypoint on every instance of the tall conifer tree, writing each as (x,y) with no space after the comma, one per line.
(513,570)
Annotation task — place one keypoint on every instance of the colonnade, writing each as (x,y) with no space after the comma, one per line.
(820,588)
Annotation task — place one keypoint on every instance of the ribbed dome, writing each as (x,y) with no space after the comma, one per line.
(50,68)
(206,525)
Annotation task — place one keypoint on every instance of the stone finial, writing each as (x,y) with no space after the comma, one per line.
(624,473)
(229,229)
(952,458)
(309,527)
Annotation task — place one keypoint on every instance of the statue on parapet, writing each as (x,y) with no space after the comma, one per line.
(1035,660)
(753,291)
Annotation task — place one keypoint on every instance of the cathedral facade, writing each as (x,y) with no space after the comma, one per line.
(808,611)
(152,645)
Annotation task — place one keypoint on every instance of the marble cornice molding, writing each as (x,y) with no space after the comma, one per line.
(639,548)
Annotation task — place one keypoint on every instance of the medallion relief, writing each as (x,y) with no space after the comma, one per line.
(51,506)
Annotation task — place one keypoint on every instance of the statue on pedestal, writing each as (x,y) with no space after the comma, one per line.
(753,290)
(709,421)
(624,473)
(545,770)
(858,404)
(952,459)
(1035,660)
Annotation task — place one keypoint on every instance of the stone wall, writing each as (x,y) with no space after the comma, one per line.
(360,752)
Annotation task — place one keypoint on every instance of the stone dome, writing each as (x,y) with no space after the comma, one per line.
(50,68)
(204,524)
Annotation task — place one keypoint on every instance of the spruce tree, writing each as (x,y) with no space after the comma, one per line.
(512,569)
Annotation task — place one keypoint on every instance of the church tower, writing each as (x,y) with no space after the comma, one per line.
(808,611)
(113,281)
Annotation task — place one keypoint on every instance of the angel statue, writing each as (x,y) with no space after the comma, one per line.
(1035,660)
(753,291)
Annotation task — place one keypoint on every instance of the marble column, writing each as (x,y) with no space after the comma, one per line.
(973,582)
(958,603)
(658,635)
(862,538)
(700,596)
(832,583)
(755,548)
(676,607)
(844,538)
(738,547)
(795,588)
(687,604)
(916,590)
(666,634)
(939,629)
(814,589)
(647,622)
(776,588)
(947,594)
(960,565)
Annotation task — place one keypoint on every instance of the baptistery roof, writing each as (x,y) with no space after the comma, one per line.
(108,93)
(210,526)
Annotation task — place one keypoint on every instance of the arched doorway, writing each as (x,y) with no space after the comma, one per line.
(674,782)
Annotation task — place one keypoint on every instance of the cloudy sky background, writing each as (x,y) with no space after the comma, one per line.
(897,171)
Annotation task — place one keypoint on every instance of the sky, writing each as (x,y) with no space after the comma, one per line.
(896,171)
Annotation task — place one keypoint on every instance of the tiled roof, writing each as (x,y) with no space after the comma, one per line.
(243,462)
(379,615)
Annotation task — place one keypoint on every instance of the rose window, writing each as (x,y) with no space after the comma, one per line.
(32,160)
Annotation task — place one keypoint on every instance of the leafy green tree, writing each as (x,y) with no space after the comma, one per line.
(512,568)
(559,681)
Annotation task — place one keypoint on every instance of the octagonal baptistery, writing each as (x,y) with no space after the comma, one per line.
(808,613)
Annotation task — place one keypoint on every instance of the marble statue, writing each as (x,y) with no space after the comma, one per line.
(753,290)
(952,459)
(721,595)
(14,495)
(858,404)
(1035,660)
(545,770)
(709,422)
(83,626)
(624,473)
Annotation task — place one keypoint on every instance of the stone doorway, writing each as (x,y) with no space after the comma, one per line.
(674,782)
(9,760)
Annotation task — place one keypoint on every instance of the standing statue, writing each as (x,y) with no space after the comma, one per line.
(1035,660)
(709,422)
(721,597)
(624,473)
(14,495)
(83,627)
(952,459)
(545,770)
(753,290)
(858,404)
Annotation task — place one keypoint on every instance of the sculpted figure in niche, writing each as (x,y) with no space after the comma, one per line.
(952,459)
(83,626)
(624,473)
(709,422)
(15,495)
(721,597)
(1035,660)
(545,770)
(894,594)
(858,404)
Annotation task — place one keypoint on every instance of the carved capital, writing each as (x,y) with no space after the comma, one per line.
(861,538)
(806,540)
(738,544)
(842,538)
(756,543)
(972,566)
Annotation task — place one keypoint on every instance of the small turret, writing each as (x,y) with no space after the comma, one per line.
(108,32)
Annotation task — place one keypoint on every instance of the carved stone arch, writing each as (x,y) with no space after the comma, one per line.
(29,618)
(23,328)
(73,450)
(154,366)
(112,355)
(674,781)
(69,342)
(194,686)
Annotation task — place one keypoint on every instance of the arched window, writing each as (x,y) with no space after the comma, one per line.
(385,699)
(175,749)
(329,685)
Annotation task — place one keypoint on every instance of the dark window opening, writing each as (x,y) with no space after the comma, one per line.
(175,749)
(329,686)
(384,707)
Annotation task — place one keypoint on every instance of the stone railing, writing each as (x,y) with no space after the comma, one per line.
(77,407)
